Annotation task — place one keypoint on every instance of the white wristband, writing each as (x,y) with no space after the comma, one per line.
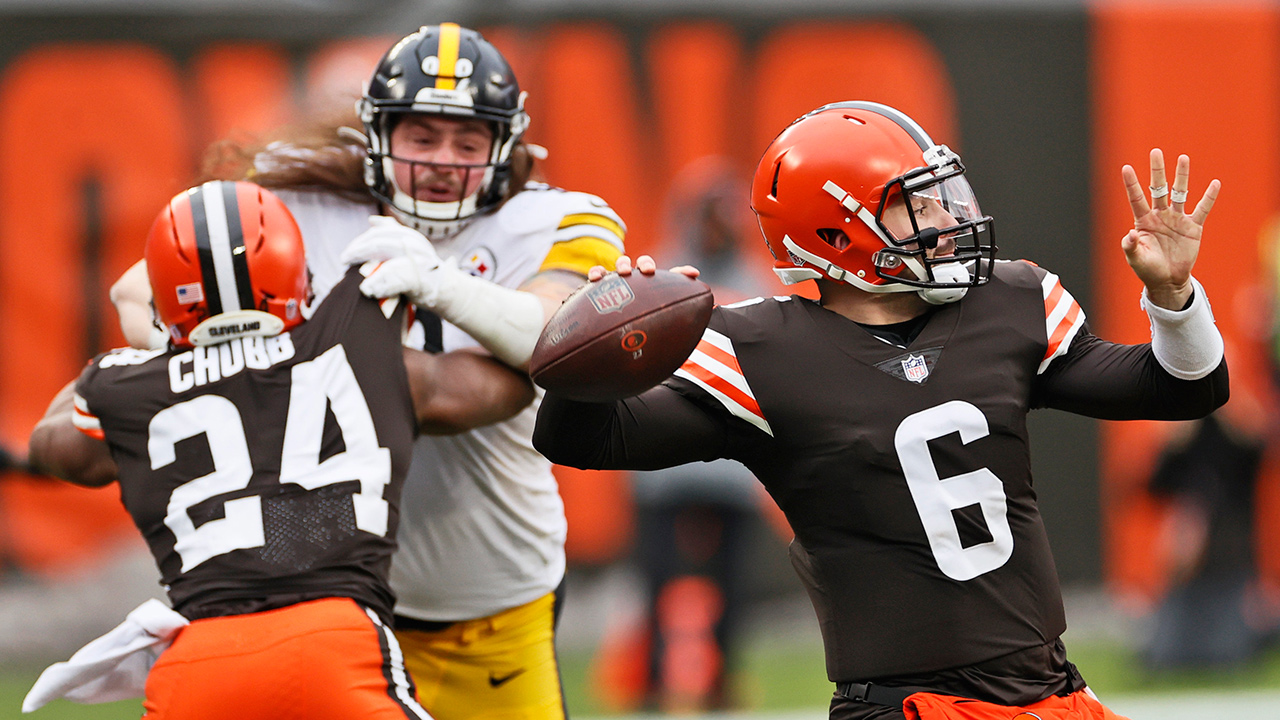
(504,321)
(1186,343)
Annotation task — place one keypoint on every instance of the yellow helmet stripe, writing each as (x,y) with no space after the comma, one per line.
(448,54)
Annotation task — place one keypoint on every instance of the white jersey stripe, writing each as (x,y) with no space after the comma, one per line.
(1062,321)
(729,403)
(83,420)
(722,380)
(215,213)
(719,340)
(720,370)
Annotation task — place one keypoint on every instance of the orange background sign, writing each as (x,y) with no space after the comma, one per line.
(89,156)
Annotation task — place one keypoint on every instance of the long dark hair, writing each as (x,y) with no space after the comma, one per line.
(326,155)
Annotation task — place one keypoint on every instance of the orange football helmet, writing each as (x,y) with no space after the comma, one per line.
(226,260)
(821,191)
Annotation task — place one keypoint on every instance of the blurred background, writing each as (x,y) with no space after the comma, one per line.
(681,599)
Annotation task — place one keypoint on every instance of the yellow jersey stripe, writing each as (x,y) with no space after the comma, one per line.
(593,219)
(580,254)
(450,35)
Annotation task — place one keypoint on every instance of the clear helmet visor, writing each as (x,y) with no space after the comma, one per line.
(942,205)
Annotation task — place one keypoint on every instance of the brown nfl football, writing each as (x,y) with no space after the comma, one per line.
(621,336)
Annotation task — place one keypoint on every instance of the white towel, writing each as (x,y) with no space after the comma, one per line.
(113,667)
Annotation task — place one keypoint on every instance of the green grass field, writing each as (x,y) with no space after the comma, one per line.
(771,679)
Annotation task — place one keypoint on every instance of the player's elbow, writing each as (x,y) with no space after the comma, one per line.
(1195,399)
(53,450)
(559,437)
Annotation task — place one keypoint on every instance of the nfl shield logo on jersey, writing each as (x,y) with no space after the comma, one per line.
(915,368)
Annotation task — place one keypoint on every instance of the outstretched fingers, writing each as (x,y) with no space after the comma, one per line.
(1133,188)
(1181,179)
(1159,185)
(1207,200)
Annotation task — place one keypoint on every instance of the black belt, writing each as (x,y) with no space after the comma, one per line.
(877,694)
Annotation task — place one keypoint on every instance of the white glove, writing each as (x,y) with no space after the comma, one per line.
(407,262)
(506,322)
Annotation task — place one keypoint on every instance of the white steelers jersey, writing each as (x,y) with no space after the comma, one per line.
(482,523)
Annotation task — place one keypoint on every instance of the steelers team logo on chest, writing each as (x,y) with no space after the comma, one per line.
(480,262)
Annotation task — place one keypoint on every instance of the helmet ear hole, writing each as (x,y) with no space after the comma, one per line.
(835,237)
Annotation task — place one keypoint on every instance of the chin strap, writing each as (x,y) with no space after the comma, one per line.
(946,272)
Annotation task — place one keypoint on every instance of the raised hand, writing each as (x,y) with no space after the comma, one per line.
(1165,240)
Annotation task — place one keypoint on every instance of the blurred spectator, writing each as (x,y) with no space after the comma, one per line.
(10,461)
(1210,614)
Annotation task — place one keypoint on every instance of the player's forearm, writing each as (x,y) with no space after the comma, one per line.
(1110,381)
(458,391)
(131,296)
(656,429)
(506,322)
(58,449)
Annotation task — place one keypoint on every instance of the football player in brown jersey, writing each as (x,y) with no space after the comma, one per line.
(262,454)
(888,418)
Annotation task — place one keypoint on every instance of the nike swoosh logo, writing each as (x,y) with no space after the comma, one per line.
(497,680)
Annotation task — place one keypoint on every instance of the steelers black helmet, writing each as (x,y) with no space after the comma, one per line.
(447,70)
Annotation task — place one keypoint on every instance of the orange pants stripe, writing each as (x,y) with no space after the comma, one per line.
(319,660)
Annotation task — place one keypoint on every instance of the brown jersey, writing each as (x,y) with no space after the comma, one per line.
(904,471)
(264,471)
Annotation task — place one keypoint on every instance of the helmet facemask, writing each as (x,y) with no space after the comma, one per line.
(931,193)
(451,72)
(438,219)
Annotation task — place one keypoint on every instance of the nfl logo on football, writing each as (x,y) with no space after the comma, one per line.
(610,295)
(915,369)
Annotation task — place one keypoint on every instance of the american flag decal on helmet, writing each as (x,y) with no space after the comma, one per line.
(190,293)
(713,366)
(1063,318)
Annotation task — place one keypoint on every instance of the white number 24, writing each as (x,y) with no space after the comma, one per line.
(936,497)
(328,378)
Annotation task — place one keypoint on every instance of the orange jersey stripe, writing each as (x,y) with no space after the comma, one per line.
(714,352)
(1064,326)
(723,386)
(1051,301)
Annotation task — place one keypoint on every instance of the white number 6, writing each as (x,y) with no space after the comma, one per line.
(936,497)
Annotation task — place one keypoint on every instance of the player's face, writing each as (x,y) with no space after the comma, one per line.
(928,212)
(438,158)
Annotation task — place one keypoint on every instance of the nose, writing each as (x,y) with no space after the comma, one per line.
(940,218)
(443,155)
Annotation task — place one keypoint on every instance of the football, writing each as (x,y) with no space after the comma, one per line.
(621,336)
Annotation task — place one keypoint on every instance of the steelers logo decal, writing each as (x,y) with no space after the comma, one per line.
(480,262)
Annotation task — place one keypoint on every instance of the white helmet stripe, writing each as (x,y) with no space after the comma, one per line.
(857,208)
(215,213)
